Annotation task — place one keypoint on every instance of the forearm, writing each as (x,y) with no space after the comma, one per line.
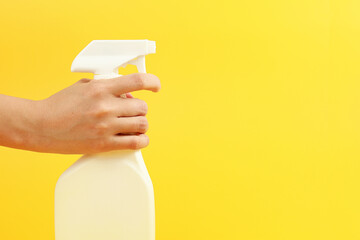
(19,122)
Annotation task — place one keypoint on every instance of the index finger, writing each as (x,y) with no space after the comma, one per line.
(134,82)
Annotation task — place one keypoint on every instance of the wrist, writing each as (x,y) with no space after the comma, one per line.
(31,135)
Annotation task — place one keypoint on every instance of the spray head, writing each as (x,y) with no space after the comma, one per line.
(104,57)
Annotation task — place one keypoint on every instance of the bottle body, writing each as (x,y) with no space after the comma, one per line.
(107,196)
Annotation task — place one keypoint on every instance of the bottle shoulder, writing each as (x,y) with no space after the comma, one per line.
(116,162)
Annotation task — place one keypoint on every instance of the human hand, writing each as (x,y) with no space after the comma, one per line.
(90,116)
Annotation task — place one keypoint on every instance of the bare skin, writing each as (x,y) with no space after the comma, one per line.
(86,117)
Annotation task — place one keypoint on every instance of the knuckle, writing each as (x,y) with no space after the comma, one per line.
(84,80)
(135,143)
(97,89)
(101,110)
(140,79)
(143,107)
(142,125)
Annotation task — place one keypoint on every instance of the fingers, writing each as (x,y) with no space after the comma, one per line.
(130,107)
(119,142)
(127,125)
(133,82)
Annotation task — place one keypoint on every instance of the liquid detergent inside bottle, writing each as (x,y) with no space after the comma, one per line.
(107,196)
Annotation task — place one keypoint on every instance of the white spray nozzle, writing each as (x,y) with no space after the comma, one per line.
(104,57)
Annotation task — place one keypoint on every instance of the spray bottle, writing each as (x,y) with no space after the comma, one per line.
(107,196)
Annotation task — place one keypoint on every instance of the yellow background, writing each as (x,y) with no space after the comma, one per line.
(255,134)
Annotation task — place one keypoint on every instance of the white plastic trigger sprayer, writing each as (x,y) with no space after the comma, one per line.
(107,196)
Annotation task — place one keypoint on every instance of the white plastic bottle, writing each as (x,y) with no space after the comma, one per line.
(107,196)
